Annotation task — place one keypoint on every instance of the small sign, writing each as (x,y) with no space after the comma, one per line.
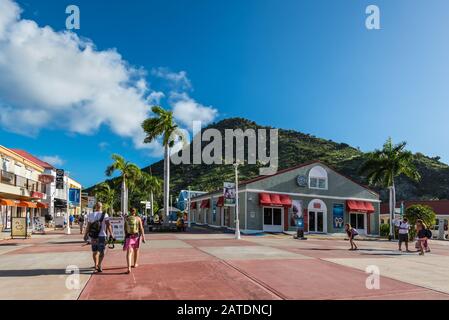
(59,221)
(91,202)
(74,196)
(229,194)
(118,228)
(38,225)
(301,181)
(59,179)
(19,227)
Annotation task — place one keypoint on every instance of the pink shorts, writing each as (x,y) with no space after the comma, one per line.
(132,242)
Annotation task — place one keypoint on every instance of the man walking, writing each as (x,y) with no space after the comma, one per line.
(404,227)
(98,227)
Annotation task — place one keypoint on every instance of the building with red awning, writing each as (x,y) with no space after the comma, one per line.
(324,198)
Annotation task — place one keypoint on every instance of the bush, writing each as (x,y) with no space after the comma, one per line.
(384,230)
(419,212)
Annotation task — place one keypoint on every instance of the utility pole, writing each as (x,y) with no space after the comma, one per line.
(67,230)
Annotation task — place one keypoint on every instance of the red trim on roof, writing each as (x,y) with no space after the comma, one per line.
(32,158)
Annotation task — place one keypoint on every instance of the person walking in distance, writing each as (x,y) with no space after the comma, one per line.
(97,230)
(81,222)
(404,228)
(134,233)
(421,229)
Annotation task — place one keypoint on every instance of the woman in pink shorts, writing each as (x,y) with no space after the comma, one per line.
(134,233)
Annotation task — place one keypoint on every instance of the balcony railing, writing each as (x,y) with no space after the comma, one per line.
(22,182)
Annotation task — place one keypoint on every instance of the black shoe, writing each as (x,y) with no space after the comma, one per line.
(99,269)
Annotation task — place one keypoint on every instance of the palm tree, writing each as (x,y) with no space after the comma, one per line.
(149,186)
(105,194)
(382,166)
(163,124)
(129,173)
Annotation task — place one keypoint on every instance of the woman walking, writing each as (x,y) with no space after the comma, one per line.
(421,229)
(134,233)
(351,232)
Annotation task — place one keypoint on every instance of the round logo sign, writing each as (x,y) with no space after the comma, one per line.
(301,181)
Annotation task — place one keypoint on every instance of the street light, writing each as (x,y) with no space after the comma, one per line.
(237,222)
(188,210)
(67,230)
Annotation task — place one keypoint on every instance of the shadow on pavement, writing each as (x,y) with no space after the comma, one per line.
(40,272)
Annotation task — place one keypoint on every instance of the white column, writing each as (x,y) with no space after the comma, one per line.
(237,222)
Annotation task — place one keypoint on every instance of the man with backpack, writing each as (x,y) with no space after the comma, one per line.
(403,232)
(98,228)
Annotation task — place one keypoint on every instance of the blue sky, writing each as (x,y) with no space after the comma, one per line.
(310,66)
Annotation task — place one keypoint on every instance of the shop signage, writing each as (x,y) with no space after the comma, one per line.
(60,204)
(59,179)
(38,225)
(229,194)
(301,181)
(19,227)
(118,228)
(46,178)
(338,218)
(59,221)
(37,195)
(74,196)
(91,202)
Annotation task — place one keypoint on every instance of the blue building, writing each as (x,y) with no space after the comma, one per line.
(183,198)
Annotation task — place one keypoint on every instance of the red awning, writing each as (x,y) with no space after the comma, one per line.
(205,203)
(274,200)
(193,205)
(220,202)
(27,204)
(360,206)
(286,200)
(42,205)
(8,202)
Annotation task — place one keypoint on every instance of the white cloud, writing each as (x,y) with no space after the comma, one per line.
(55,161)
(56,80)
(186,110)
(179,80)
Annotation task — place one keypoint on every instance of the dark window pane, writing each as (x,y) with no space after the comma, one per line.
(354,220)
(320,222)
(267,216)
(360,221)
(277,217)
(312,221)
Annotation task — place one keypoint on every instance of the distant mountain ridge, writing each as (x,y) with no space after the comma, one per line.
(296,148)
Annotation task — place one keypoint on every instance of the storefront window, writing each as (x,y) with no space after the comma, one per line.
(318,178)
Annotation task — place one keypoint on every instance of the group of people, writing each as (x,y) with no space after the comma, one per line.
(422,231)
(99,231)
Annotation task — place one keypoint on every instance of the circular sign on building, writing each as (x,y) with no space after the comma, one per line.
(301,181)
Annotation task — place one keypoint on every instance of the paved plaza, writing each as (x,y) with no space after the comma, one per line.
(204,264)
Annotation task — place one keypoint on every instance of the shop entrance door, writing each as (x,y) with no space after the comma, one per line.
(272,219)
(316,221)
(358,222)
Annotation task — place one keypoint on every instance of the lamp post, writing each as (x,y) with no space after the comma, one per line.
(67,230)
(188,210)
(237,222)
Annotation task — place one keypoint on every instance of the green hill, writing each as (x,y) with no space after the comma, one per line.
(295,148)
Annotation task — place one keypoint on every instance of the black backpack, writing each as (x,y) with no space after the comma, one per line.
(95,227)
(429,234)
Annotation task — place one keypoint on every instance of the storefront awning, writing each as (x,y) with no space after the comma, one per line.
(42,205)
(27,204)
(360,206)
(274,200)
(8,202)
(220,201)
(205,204)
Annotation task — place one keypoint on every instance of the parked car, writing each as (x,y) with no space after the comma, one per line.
(436,231)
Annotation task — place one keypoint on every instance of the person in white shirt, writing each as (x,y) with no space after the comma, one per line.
(404,228)
(98,227)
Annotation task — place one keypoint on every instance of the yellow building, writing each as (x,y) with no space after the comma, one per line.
(21,189)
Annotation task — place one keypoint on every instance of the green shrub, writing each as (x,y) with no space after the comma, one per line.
(419,212)
(384,230)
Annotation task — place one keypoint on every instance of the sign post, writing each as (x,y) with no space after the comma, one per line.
(19,227)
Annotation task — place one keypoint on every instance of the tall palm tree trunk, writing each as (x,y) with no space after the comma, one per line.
(124,197)
(166,182)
